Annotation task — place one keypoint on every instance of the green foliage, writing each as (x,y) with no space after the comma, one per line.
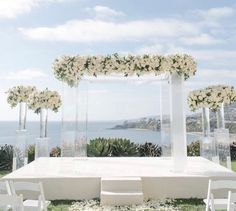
(31,153)
(99,147)
(149,150)
(55,152)
(6,157)
(193,149)
(233,151)
(114,147)
(124,148)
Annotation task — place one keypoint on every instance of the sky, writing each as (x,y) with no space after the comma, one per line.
(34,32)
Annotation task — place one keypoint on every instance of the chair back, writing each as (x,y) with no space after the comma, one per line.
(222,184)
(16,202)
(214,185)
(24,186)
(231,201)
(5,187)
(29,186)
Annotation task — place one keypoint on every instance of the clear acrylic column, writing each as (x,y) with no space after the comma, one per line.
(165,117)
(74,120)
(207,144)
(42,143)
(69,120)
(81,130)
(222,139)
(178,123)
(20,153)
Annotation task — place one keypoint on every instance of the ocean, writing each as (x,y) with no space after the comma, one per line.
(94,130)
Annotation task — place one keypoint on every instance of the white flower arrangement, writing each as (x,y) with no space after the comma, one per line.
(70,69)
(19,94)
(211,97)
(94,205)
(45,99)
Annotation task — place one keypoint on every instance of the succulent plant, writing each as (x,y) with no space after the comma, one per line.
(124,148)
(31,153)
(193,149)
(55,152)
(99,147)
(149,150)
(6,157)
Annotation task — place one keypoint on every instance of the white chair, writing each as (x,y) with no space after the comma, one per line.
(16,202)
(31,204)
(5,187)
(210,201)
(231,201)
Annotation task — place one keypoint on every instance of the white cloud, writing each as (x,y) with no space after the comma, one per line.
(12,8)
(90,30)
(216,13)
(207,77)
(213,55)
(202,39)
(153,49)
(98,91)
(27,74)
(103,12)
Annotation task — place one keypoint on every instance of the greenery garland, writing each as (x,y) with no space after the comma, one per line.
(71,69)
(211,97)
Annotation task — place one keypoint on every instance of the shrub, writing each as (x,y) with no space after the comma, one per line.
(193,149)
(55,152)
(99,147)
(149,150)
(233,151)
(31,153)
(124,148)
(6,157)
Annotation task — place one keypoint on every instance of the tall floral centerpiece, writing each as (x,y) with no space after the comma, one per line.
(71,69)
(19,96)
(214,98)
(40,102)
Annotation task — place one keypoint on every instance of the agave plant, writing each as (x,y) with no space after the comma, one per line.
(124,147)
(31,153)
(193,149)
(149,150)
(99,147)
(6,156)
(55,152)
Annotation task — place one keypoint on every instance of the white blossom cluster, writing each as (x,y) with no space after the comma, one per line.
(211,97)
(45,99)
(18,94)
(70,69)
(94,205)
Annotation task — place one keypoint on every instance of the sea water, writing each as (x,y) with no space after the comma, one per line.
(94,130)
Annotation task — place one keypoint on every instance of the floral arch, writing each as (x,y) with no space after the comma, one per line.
(179,67)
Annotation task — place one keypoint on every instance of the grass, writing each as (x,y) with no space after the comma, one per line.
(234,165)
(3,173)
(182,204)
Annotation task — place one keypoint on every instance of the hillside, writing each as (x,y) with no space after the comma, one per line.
(193,122)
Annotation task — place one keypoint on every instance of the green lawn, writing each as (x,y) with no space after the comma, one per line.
(234,165)
(182,204)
